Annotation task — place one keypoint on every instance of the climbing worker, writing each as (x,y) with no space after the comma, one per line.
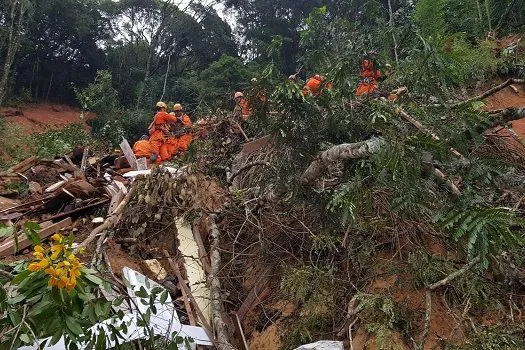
(242,106)
(159,129)
(369,75)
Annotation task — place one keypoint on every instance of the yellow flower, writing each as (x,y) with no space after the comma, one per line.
(38,255)
(71,283)
(39,249)
(33,267)
(57,250)
(57,237)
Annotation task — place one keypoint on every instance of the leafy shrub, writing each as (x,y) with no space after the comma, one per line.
(308,284)
(59,142)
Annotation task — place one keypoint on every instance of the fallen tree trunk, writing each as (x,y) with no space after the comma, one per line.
(490,91)
(361,149)
(215,289)
(344,151)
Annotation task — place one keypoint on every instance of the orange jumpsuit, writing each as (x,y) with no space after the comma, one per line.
(368,74)
(159,130)
(174,144)
(313,86)
(142,148)
(244,107)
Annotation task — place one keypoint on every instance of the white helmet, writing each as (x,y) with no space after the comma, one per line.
(238,94)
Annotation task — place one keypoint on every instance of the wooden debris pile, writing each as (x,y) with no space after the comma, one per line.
(57,194)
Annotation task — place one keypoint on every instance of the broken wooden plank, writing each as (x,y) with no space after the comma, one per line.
(128,153)
(28,205)
(203,254)
(22,166)
(156,270)
(255,145)
(83,165)
(186,290)
(55,186)
(257,294)
(77,211)
(8,247)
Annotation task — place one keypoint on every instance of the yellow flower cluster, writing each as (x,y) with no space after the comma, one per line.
(59,262)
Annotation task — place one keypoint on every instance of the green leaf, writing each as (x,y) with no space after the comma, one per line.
(31,230)
(20,277)
(6,230)
(164,297)
(118,300)
(40,308)
(16,299)
(142,293)
(94,279)
(25,338)
(56,337)
(73,325)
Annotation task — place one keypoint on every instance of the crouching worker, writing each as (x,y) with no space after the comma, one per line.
(159,130)
(143,149)
(179,138)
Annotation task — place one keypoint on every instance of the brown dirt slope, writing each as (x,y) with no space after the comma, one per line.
(41,117)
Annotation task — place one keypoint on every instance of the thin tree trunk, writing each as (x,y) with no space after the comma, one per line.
(487,10)
(12,47)
(480,15)
(391,25)
(49,87)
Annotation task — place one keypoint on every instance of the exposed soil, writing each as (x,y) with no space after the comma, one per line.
(41,117)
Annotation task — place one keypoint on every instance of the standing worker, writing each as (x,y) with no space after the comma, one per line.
(314,86)
(242,106)
(183,130)
(159,129)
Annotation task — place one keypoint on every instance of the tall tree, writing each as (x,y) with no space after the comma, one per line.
(15,20)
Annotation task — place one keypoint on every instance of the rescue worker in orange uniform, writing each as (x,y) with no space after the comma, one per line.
(369,76)
(314,85)
(180,137)
(142,149)
(242,106)
(159,129)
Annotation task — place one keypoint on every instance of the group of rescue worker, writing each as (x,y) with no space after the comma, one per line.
(170,133)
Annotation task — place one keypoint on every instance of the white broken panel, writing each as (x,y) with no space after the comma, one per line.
(165,322)
(323,345)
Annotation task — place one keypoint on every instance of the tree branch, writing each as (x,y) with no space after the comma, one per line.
(344,151)
(490,91)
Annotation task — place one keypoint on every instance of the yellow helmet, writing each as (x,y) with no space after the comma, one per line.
(161,104)
(177,107)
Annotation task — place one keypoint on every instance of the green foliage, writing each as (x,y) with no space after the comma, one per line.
(382,317)
(427,270)
(308,284)
(491,339)
(99,96)
(485,231)
(305,330)
(56,143)
(430,17)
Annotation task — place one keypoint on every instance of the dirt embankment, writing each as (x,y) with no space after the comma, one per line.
(41,117)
